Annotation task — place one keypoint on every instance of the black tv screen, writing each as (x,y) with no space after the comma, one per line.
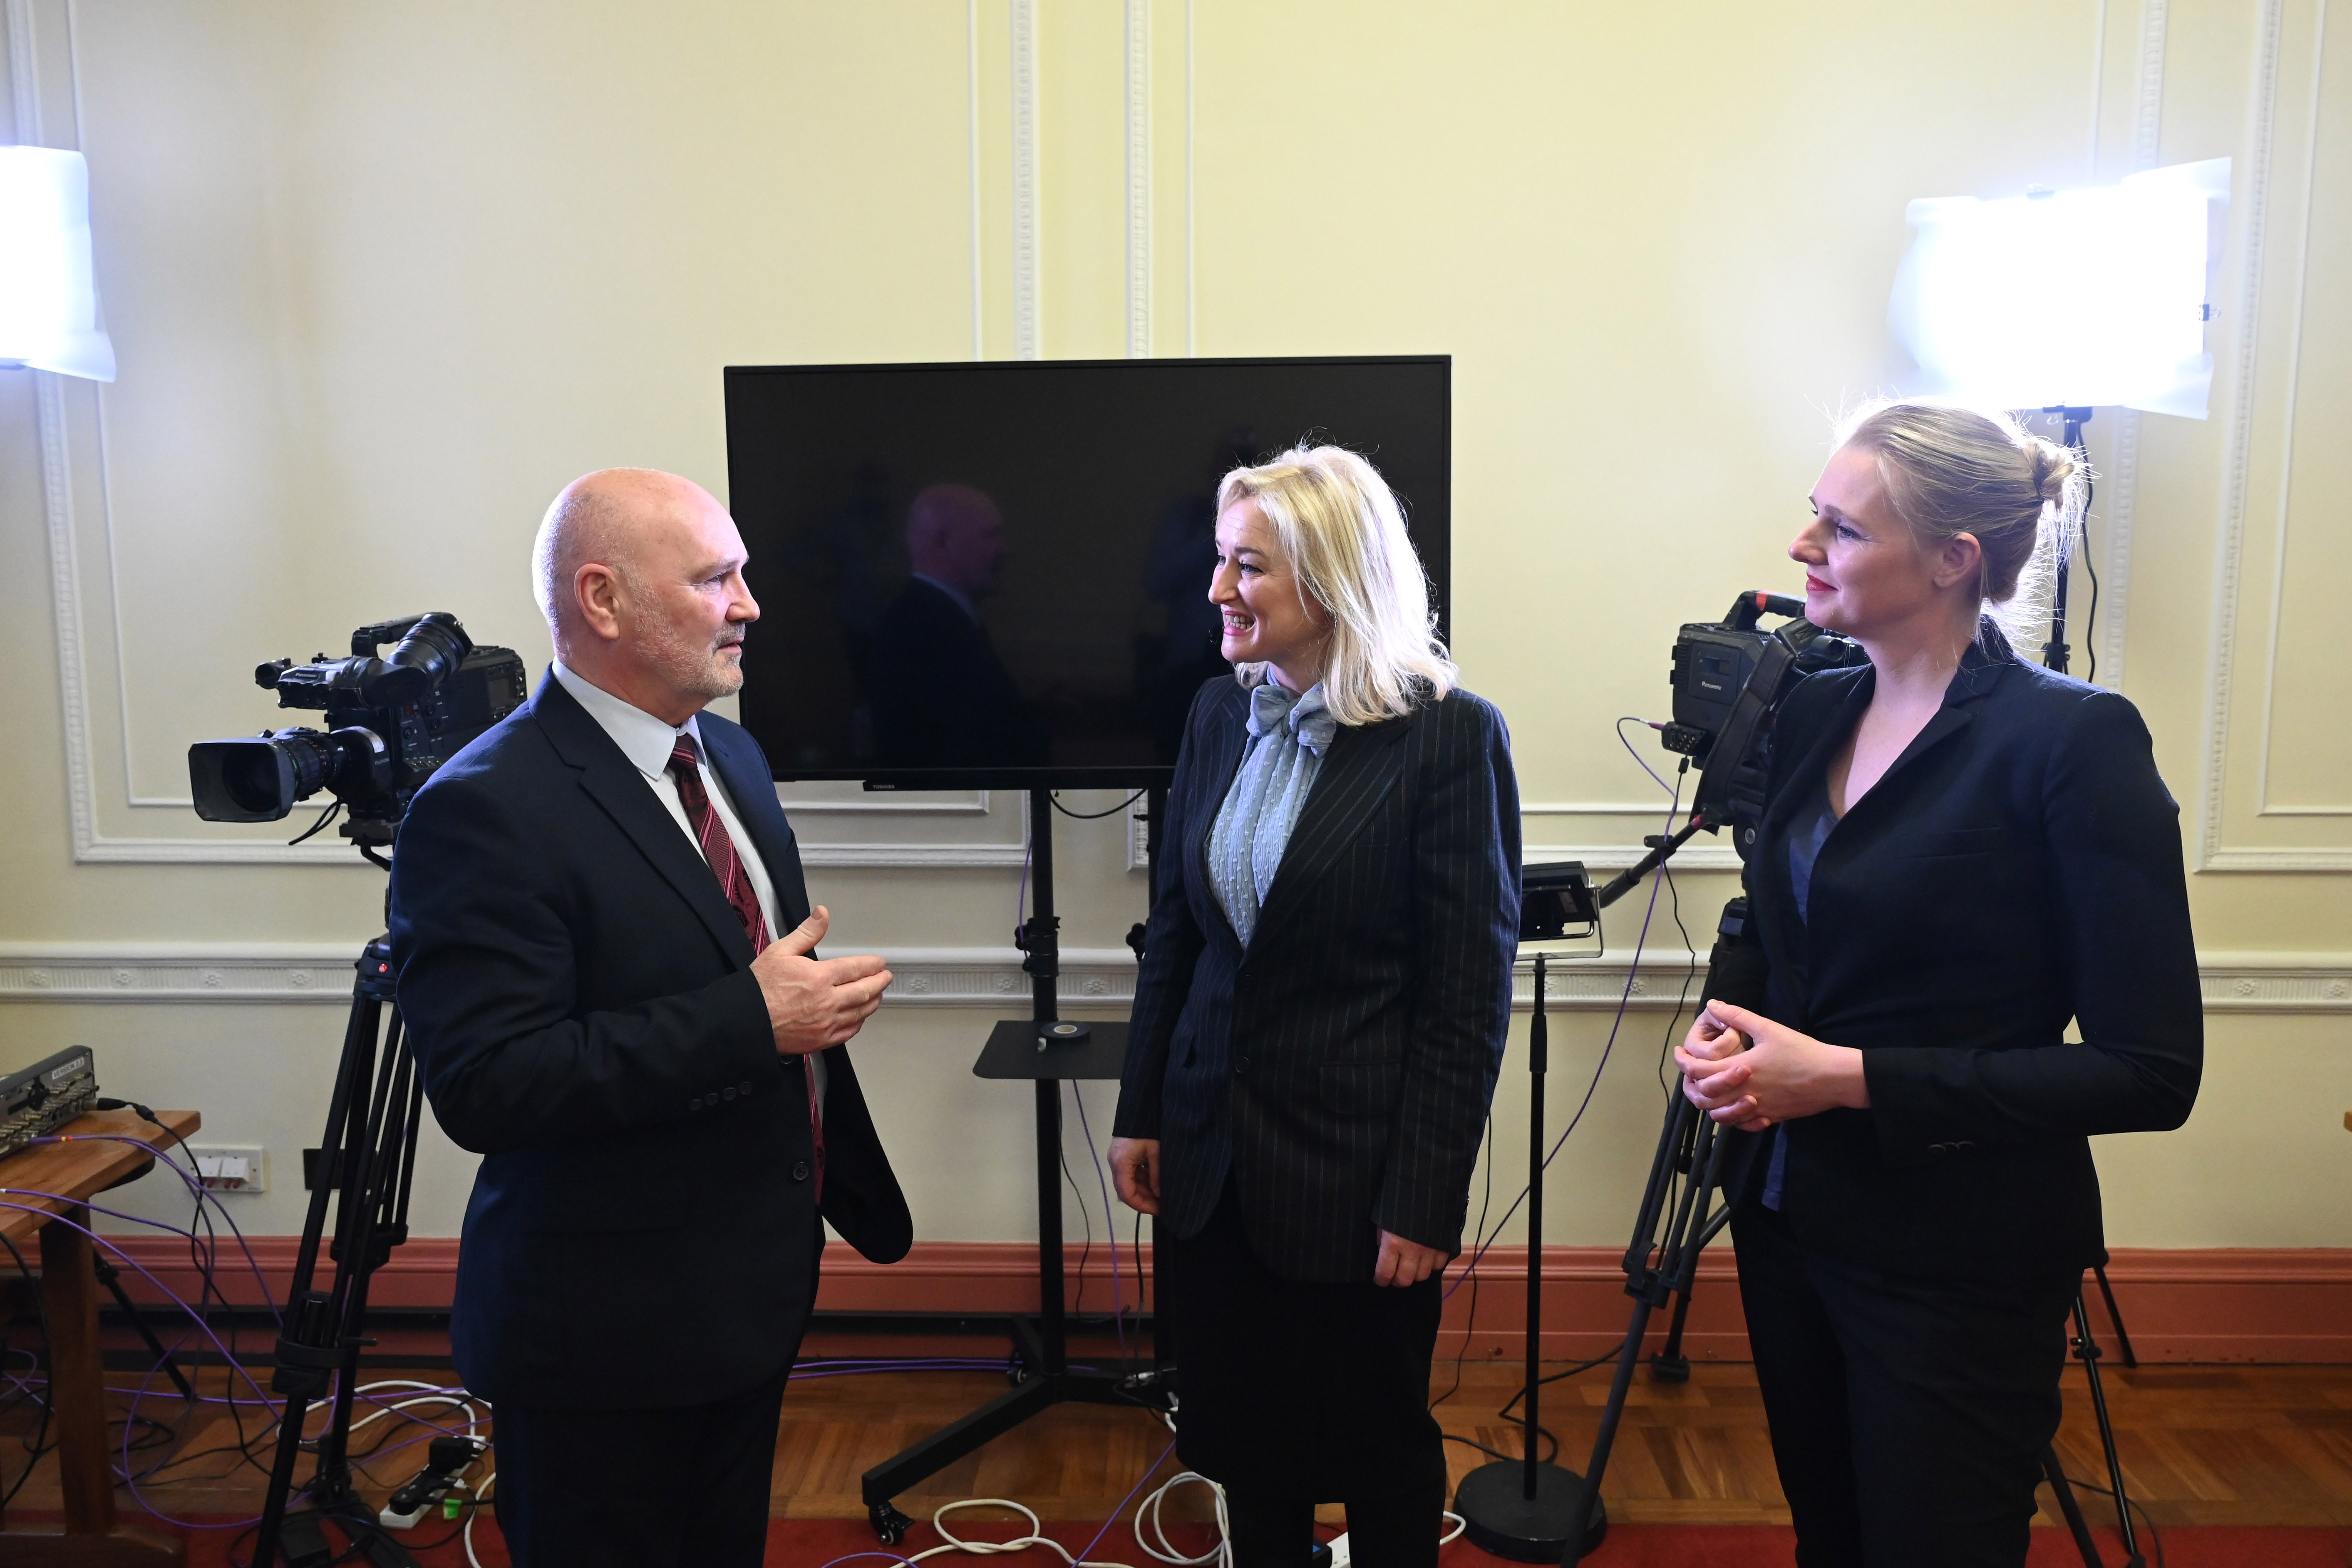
(996,573)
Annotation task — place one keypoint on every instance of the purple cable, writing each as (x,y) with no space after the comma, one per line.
(55,1219)
(1110,1223)
(195,1184)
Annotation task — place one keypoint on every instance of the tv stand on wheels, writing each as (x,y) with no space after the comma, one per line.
(1049,1051)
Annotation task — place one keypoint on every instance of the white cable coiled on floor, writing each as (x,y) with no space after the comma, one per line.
(1221,1554)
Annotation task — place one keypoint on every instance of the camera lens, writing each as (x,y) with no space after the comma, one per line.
(242,781)
(259,779)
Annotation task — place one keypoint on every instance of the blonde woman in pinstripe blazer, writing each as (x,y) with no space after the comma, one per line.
(1319,1015)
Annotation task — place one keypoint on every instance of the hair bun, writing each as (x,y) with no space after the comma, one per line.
(2052,466)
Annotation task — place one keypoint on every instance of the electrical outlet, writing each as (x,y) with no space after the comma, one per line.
(232,1168)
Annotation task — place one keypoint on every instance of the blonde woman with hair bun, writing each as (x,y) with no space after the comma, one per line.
(1319,1015)
(1961,855)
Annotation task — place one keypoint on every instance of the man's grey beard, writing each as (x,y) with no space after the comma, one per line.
(693,668)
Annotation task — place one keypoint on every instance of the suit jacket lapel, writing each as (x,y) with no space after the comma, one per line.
(1216,781)
(1356,776)
(613,782)
(1807,771)
(1976,676)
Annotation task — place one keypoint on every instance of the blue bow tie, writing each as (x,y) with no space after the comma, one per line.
(1271,706)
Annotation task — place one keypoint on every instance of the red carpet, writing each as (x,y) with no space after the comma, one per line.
(818,1542)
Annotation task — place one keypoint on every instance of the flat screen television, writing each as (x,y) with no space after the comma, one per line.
(1063,511)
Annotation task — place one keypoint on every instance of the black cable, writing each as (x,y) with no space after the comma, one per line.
(1682,1000)
(1498,1454)
(38,1444)
(1582,1366)
(2091,616)
(1485,1204)
(1093,815)
(1135,1255)
(333,807)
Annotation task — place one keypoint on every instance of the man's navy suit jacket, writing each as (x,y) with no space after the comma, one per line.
(1341,1066)
(644,1230)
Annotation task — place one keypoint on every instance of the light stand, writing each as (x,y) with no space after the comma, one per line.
(1526,1509)
(2054,651)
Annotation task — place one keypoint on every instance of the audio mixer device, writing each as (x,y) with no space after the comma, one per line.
(37,1100)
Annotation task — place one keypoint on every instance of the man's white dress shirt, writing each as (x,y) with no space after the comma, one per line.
(647,742)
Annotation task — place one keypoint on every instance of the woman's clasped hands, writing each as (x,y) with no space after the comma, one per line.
(1748,1072)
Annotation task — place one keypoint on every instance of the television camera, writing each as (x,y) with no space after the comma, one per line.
(391,722)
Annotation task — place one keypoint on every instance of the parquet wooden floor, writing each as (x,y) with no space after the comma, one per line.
(2202,1444)
(2199,1445)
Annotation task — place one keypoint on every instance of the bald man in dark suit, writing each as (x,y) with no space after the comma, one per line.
(583,902)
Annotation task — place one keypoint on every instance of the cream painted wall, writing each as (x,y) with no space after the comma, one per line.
(381,280)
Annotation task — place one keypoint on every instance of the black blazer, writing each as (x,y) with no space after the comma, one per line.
(580,999)
(2018,866)
(1341,1069)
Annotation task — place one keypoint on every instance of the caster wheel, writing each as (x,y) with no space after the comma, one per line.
(889,1524)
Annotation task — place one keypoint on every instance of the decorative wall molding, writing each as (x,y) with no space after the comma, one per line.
(1666,977)
(2234,1304)
(1191,295)
(971,109)
(1138,179)
(1027,331)
(75,484)
(2222,684)
(2115,584)
(2147,123)
(2264,804)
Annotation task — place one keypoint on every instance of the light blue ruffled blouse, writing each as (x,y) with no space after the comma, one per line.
(1288,735)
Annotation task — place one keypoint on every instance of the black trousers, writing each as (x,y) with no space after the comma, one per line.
(1295,1393)
(638,1489)
(1908,1416)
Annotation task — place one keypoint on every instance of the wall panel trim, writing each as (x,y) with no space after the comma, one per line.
(1665,977)
(2212,853)
(2250,1304)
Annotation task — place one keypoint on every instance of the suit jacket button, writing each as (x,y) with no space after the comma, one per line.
(745,1086)
(799,1171)
(727,1094)
(1240,1066)
(694,1104)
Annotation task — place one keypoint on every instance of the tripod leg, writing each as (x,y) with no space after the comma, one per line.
(2086,1350)
(1606,1438)
(2123,1340)
(1670,1365)
(2064,1490)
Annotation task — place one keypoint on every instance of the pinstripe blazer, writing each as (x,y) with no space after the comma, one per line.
(1339,1069)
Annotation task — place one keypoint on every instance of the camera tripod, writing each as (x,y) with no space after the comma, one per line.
(1686,1204)
(366,1160)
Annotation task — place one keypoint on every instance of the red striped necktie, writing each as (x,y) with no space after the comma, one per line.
(735,882)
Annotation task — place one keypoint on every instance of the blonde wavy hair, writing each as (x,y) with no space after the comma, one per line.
(1340,528)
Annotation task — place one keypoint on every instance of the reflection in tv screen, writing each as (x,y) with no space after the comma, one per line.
(996,573)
